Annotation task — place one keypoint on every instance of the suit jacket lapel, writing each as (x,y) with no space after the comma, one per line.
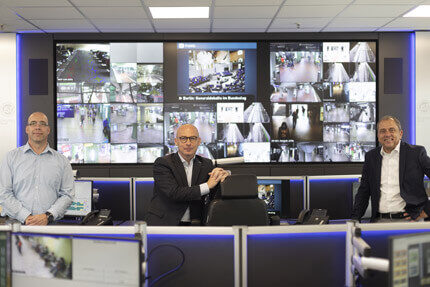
(196,171)
(179,167)
(402,163)
(378,171)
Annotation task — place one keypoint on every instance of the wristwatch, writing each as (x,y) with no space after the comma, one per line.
(49,216)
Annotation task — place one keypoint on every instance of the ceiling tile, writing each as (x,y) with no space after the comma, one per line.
(375,10)
(48,13)
(317,2)
(113,12)
(349,29)
(291,23)
(6,14)
(239,30)
(34,3)
(358,22)
(241,23)
(387,2)
(93,30)
(126,30)
(137,24)
(389,29)
(248,2)
(178,3)
(181,24)
(184,30)
(412,23)
(310,11)
(245,12)
(106,3)
(63,24)
(14,25)
(293,30)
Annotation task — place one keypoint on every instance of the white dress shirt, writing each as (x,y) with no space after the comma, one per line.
(204,188)
(390,200)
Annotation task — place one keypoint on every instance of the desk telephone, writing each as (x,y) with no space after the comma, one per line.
(316,216)
(98,217)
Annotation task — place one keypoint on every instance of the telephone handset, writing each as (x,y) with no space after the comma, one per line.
(98,217)
(316,216)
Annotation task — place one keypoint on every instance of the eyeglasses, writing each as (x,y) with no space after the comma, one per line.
(185,139)
(34,123)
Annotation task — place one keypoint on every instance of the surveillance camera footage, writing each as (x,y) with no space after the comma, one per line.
(279,102)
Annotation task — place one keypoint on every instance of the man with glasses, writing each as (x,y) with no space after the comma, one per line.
(36,182)
(393,178)
(182,182)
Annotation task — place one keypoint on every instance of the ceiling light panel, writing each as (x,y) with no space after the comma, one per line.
(179,12)
(420,11)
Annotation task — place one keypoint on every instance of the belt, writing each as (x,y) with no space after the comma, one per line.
(391,215)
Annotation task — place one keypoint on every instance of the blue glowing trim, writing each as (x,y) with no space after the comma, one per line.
(392,232)
(412,94)
(110,182)
(301,235)
(18,91)
(146,181)
(333,180)
(111,236)
(190,236)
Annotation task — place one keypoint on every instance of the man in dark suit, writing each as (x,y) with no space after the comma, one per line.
(393,178)
(182,181)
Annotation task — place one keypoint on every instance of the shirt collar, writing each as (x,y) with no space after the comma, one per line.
(184,161)
(396,149)
(27,147)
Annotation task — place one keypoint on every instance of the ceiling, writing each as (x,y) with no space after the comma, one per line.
(52,16)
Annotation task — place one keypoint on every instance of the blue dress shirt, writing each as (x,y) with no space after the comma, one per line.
(33,184)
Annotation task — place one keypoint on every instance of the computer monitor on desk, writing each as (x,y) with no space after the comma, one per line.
(82,202)
(410,260)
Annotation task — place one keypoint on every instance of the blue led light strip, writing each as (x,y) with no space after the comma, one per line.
(412,95)
(18,90)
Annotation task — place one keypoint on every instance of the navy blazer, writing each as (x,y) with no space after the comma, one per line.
(172,195)
(413,164)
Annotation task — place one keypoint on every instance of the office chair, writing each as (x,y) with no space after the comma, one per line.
(239,203)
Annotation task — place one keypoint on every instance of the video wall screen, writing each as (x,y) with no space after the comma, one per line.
(123,102)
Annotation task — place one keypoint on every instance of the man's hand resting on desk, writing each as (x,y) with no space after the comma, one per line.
(38,219)
(421,216)
(216,175)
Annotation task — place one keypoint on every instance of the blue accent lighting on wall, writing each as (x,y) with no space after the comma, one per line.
(412,95)
(19,121)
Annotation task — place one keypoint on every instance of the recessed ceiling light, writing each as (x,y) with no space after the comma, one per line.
(420,11)
(179,12)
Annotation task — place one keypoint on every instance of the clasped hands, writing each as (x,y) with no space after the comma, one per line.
(38,219)
(217,175)
(421,216)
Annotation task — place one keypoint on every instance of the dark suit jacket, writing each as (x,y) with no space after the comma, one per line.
(413,164)
(172,195)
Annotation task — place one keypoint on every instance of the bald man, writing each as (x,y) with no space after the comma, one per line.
(182,181)
(36,182)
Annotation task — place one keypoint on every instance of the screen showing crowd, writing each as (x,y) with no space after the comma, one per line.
(112,104)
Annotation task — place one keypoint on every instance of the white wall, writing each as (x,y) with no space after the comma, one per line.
(8,114)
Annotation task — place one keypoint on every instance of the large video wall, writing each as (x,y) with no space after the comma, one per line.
(267,102)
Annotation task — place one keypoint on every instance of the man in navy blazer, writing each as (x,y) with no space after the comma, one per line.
(393,178)
(182,181)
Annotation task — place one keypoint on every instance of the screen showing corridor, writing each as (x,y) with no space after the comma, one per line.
(123,102)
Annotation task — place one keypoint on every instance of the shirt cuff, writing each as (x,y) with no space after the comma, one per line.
(22,215)
(54,214)
(204,189)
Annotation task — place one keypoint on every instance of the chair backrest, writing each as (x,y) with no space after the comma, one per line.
(239,203)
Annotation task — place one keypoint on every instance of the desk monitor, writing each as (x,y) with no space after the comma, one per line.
(272,191)
(5,272)
(409,260)
(82,202)
(69,260)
